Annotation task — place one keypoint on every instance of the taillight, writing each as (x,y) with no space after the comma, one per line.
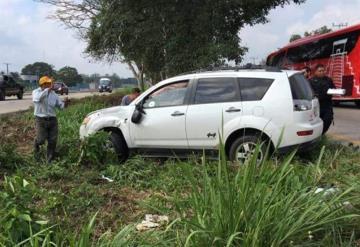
(302,105)
(305,133)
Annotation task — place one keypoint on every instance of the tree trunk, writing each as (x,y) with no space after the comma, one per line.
(138,72)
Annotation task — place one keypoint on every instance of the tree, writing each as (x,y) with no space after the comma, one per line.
(39,68)
(295,37)
(158,39)
(69,76)
(321,30)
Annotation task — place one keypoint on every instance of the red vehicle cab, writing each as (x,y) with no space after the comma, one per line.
(339,51)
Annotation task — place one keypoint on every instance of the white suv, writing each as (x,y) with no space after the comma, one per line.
(187,113)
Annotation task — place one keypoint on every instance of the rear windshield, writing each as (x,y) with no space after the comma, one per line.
(300,88)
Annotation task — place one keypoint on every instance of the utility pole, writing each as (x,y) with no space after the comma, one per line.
(340,25)
(7,68)
(253,59)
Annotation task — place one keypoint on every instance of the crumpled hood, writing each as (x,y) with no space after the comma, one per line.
(118,111)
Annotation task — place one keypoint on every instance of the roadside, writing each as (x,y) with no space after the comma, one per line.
(346,124)
(12,104)
(73,189)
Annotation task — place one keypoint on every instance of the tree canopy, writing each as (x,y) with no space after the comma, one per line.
(69,76)
(39,69)
(321,30)
(164,38)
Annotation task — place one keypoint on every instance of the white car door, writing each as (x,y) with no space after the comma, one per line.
(216,103)
(163,124)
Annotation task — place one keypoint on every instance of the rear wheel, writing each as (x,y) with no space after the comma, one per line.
(2,94)
(20,95)
(357,103)
(244,147)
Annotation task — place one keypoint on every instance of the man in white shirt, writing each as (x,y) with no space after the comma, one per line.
(45,101)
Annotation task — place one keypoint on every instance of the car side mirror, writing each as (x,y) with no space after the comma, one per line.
(138,113)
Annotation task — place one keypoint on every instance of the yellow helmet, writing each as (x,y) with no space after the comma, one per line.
(45,79)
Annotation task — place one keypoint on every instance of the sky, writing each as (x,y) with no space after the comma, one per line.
(27,35)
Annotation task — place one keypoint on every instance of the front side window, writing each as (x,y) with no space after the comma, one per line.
(169,95)
(253,89)
(213,90)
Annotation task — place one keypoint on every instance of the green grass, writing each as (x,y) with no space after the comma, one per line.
(209,203)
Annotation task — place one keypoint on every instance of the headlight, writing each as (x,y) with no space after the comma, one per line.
(86,120)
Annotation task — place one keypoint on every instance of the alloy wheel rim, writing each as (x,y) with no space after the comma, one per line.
(246,150)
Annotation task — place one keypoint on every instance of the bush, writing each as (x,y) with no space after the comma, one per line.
(17,217)
(9,158)
(261,205)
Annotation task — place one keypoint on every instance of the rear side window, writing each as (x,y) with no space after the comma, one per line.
(213,90)
(253,89)
(300,88)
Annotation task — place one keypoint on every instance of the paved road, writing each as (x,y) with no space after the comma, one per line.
(12,104)
(347,124)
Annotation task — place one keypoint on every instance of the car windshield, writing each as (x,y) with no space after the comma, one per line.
(57,85)
(105,82)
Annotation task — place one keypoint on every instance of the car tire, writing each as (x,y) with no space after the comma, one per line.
(2,95)
(244,146)
(119,145)
(357,103)
(20,95)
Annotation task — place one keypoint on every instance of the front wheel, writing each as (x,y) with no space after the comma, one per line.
(244,147)
(118,144)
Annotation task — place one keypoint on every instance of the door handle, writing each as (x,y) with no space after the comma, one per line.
(177,113)
(233,109)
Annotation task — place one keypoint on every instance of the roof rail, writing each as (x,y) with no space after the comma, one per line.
(234,68)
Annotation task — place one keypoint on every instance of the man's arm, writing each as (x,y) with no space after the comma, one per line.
(59,103)
(39,95)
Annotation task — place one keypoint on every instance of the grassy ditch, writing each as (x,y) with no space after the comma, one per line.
(208,203)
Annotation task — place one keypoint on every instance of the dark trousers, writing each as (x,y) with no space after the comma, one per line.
(327,115)
(46,130)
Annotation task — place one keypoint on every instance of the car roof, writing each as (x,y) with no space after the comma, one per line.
(260,73)
(253,73)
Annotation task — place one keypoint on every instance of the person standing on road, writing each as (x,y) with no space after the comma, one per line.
(45,101)
(321,84)
(127,99)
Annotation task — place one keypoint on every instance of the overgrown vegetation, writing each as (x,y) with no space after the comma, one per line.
(68,203)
